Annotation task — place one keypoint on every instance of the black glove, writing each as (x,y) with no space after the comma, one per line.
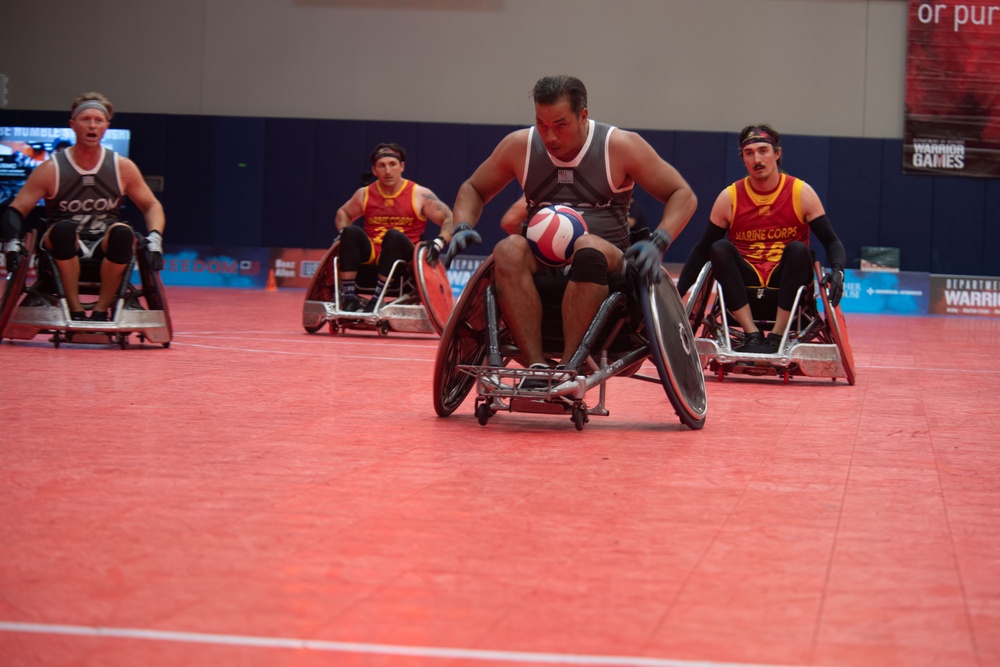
(154,244)
(14,250)
(648,255)
(835,279)
(463,237)
(434,250)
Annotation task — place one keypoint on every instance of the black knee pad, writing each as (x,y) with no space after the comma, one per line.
(62,240)
(120,242)
(589,266)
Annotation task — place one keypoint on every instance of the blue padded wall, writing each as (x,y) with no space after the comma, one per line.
(991,229)
(854,195)
(239,162)
(278,182)
(905,210)
(957,228)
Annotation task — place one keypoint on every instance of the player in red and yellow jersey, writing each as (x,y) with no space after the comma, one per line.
(395,211)
(758,236)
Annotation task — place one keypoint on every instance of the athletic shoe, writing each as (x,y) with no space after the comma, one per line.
(753,343)
(99,316)
(535,384)
(78,315)
(773,343)
(350,304)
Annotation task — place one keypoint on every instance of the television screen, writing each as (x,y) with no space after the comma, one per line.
(24,148)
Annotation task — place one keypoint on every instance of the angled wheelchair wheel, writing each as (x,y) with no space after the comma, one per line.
(322,288)
(701,295)
(838,327)
(463,342)
(434,288)
(153,293)
(673,351)
(322,284)
(13,286)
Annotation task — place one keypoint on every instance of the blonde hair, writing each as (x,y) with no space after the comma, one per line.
(93,97)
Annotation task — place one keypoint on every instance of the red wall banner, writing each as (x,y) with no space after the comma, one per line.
(952,123)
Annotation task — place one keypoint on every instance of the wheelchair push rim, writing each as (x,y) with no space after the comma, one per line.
(673,350)
(838,328)
(14,284)
(434,288)
(463,342)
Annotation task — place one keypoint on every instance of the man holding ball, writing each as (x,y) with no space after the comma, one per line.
(569,159)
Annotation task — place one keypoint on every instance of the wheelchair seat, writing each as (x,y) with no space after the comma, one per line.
(815,343)
(37,307)
(635,323)
(417,297)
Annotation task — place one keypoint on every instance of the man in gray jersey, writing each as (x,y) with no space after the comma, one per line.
(83,187)
(566,158)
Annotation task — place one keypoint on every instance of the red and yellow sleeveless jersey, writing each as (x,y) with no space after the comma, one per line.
(397,210)
(763,223)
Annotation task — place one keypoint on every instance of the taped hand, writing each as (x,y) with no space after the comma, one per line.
(14,250)
(154,245)
(835,279)
(434,250)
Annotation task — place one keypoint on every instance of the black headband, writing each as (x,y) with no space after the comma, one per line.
(385,152)
(757,136)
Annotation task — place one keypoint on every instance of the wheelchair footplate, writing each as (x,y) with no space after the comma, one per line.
(404,315)
(552,391)
(793,358)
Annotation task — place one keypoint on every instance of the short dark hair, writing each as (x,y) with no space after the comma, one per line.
(392,150)
(551,89)
(761,132)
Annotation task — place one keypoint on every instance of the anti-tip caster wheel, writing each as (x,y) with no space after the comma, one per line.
(483,413)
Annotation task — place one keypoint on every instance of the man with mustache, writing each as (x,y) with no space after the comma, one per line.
(758,236)
(395,212)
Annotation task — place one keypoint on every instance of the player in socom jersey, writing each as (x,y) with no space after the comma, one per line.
(83,187)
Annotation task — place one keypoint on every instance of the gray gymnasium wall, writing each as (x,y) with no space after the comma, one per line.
(815,67)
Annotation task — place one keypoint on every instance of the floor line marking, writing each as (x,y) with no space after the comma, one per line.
(365,648)
(298,354)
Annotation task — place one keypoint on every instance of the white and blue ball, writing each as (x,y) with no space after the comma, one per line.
(552,232)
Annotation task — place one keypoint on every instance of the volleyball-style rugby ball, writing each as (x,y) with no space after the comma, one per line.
(552,232)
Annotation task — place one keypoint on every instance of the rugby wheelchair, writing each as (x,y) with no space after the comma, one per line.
(638,321)
(32,307)
(815,344)
(417,297)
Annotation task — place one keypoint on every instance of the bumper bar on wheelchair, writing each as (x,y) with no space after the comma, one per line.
(502,382)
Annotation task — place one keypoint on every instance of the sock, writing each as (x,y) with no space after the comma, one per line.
(347,287)
(379,286)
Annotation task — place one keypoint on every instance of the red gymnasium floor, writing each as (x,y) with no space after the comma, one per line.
(256,496)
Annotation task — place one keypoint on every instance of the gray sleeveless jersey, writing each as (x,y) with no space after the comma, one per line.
(91,198)
(583,184)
